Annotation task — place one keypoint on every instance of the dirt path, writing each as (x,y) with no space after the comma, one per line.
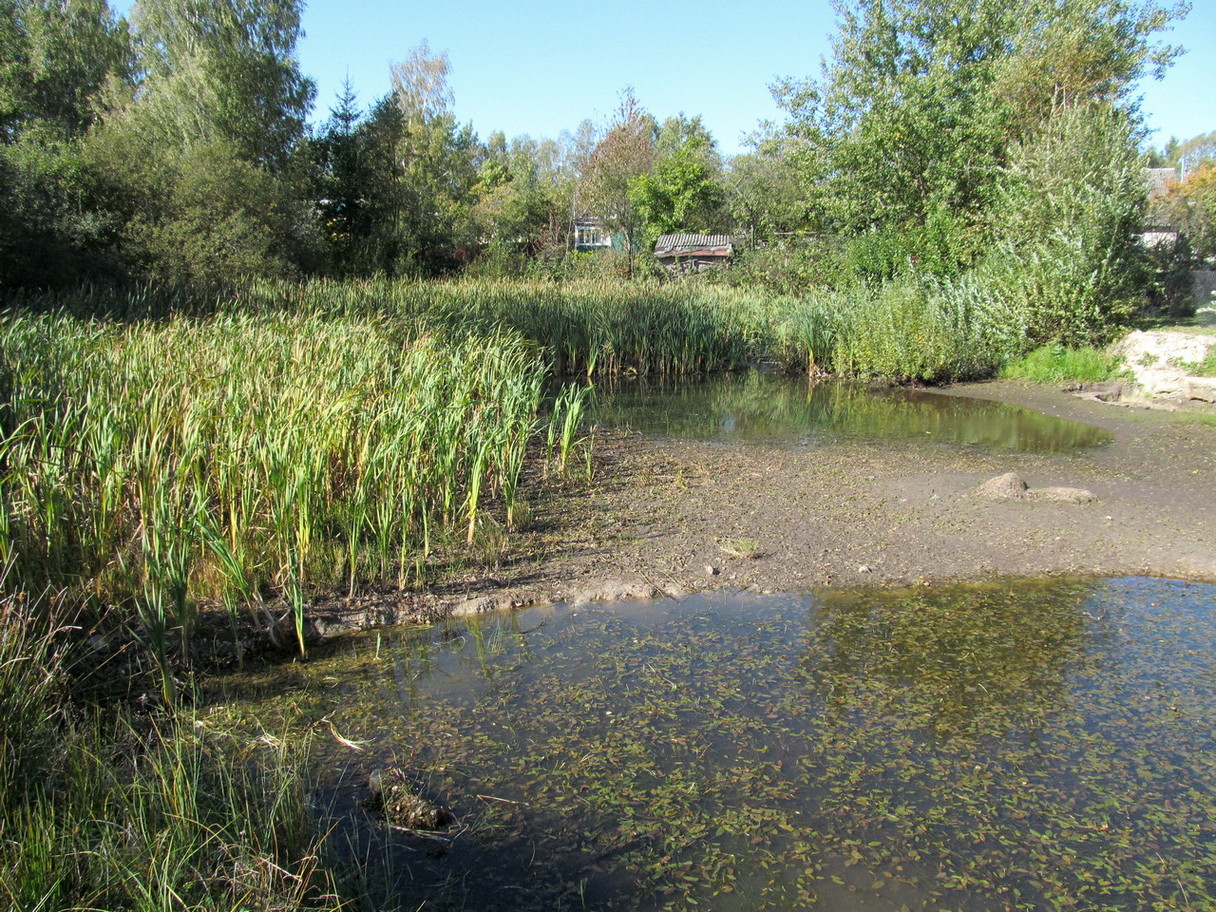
(657,517)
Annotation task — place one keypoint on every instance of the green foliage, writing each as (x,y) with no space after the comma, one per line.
(55,225)
(681,194)
(1191,206)
(767,195)
(935,129)
(909,327)
(57,61)
(1068,213)
(206,215)
(222,71)
(176,817)
(1055,364)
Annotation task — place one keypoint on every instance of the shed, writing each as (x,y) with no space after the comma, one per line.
(693,252)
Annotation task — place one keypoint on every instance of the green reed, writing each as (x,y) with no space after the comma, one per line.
(909,327)
(104,814)
(236,457)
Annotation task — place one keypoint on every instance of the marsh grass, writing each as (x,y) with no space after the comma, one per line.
(100,809)
(164,819)
(240,457)
(1057,363)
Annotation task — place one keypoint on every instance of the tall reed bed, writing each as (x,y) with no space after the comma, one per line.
(909,327)
(593,328)
(148,465)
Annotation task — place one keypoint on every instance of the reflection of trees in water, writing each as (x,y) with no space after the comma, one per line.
(763,406)
(966,662)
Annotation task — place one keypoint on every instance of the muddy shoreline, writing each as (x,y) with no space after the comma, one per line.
(661,517)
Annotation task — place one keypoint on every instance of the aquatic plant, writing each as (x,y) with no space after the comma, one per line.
(239,457)
(1016,745)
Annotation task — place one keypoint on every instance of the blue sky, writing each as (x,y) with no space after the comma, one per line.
(540,67)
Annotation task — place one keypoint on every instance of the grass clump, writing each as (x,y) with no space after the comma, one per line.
(1056,363)
(1206,367)
(101,809)
(742,548)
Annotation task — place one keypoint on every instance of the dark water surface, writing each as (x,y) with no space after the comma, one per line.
(1021,745)
(766,407)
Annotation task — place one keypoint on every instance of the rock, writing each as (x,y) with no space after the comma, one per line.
(1067,495)
(1160,361)
(475,606)
(711,570)
(1009,486)
(1201,388)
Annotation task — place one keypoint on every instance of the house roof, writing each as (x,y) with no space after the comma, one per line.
(671,245)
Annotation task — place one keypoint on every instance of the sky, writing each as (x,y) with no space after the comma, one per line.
(539,67)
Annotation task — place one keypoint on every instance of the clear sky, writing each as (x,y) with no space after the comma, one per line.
(540,67)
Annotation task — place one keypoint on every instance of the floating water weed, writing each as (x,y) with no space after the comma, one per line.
(1010,746)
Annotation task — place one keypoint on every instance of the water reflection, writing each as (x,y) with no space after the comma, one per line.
(1021,745)
(760,406)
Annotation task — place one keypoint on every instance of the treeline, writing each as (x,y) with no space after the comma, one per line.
(941,140)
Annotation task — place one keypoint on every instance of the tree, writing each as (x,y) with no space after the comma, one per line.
(56,59)
(1067,218)
(681,193)
(910,124)
(398,183)
(339,164)
(522,200)
(625,153)
(767,195)
(199,156)
(223,70)
(1191,205)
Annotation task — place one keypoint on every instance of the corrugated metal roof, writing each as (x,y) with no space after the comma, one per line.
(692,244)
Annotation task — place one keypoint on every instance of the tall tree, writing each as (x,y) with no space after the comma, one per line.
(625,153)
(56,58)
(340,164)
(912,120)
(224,70)
(684,191)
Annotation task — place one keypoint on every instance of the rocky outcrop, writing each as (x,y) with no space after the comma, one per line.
(1162,364)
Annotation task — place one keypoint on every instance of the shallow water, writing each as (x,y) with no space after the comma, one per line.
(1027,745)
(766,407)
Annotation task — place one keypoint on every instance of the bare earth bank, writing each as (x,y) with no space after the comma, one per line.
(660,517)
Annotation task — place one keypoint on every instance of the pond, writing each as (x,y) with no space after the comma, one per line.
(1018,745)
(767,407)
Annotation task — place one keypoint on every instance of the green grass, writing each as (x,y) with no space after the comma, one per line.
(1055,364)
(103,810)
(1206,367)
